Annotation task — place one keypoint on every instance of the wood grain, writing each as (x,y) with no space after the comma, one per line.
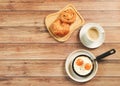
(34,34)
(50,51)
(57,81)
(31,18)
(29,56)
(44,1)
(44,5)
(51,68)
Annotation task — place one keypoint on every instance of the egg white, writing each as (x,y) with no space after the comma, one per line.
(81,69)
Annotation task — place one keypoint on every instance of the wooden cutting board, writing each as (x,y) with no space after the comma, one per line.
(76,25)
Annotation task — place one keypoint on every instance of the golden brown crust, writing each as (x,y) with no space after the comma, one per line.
(59,29)
(68,16)
(61,26)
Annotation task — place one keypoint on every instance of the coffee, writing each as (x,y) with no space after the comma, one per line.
(93,34)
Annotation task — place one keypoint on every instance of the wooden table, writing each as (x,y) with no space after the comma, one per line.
(29,56)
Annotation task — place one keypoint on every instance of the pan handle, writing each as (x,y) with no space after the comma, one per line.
(110,52)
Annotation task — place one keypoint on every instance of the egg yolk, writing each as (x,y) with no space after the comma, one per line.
(79,62)
(87,66)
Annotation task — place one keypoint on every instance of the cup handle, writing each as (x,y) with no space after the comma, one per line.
(110,52)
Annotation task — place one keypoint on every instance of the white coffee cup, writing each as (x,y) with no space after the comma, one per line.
(92,34)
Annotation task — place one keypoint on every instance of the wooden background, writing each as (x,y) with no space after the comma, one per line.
(29,56)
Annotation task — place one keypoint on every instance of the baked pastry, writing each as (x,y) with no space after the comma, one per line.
(68,16)
(65,26)
(59,29)
(61,26)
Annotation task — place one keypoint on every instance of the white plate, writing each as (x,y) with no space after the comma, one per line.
(94,44)
(69,70)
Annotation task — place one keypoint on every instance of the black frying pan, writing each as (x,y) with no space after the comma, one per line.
(98,58)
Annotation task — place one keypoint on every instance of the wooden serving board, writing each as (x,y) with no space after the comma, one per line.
(52,17)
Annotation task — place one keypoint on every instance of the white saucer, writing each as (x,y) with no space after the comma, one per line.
(69,70)
(94,44)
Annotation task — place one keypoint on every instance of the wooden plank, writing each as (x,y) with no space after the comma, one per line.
(57,5)
(57,81)
(51,68)
(32,68)
(44,1)
(36,18)
(50,51)
(41,35)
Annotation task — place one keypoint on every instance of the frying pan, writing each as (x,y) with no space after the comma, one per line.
(94,61)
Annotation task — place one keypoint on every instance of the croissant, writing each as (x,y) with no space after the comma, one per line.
(59,29)
(67,16)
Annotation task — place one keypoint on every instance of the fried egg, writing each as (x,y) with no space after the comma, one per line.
(82,65)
